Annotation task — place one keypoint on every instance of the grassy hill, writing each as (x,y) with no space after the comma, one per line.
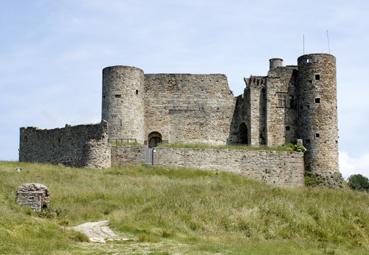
(183,211)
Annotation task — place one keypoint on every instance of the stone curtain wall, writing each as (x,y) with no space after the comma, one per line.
(77,146)
(127,155)
(273,167)
(188,108)
(97,154)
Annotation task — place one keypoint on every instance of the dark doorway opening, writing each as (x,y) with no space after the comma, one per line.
(154,139)
(242,134)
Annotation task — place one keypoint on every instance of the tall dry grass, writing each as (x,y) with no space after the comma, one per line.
(209,211)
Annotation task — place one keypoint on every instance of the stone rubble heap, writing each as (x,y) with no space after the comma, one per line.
(34,195)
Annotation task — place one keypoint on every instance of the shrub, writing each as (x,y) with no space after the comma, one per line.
(358,182)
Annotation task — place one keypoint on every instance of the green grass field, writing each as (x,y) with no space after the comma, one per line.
(179,211)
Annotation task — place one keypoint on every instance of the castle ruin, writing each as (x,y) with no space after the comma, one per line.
(140,111)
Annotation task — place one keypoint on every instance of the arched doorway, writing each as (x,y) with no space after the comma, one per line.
(154,139)
(242,134)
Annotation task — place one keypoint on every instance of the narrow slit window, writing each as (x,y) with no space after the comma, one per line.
(136,91)
(118,96)
(317,135)
(282,100)
(317,77)
(317,100)
(292,102)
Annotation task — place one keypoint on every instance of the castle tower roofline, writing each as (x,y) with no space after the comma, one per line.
(122,67)
(185,74)
(317,55)
(275,62)
(281,59)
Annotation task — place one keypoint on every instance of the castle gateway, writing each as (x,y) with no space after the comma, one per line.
(140,111)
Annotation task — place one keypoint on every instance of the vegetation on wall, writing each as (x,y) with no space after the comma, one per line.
(285,147)
(333,180)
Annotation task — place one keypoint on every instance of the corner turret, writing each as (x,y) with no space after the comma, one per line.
(275,62)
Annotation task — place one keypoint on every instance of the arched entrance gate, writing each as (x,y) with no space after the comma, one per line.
(154,139)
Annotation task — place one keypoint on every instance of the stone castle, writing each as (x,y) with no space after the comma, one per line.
(293,103)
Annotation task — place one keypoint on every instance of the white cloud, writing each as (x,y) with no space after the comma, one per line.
(350,165)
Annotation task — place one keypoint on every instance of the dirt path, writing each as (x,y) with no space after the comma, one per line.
(98,232)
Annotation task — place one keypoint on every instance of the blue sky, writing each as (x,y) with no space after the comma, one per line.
(52,54)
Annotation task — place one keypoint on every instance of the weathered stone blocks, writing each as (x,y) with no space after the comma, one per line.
(33,195)
(280,168)
(123,102)
(76,146)
(318,125)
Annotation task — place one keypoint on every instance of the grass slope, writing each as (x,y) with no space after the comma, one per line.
(182,211)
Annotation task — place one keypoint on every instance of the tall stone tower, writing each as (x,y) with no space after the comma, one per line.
(123,102)
(318,113)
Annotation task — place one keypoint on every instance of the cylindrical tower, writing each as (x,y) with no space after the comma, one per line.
(123,102)
(275,62)
(318,112)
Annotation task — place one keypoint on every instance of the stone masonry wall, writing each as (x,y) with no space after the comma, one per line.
(127,155)
(272,167)
(281,106)
(240,117)
(122,102)
(318,112)
(257,104)
(188,108)
(97,154)
(77,146)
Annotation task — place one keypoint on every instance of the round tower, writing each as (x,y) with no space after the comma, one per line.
(123,103)
(275,62)
(318,113)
